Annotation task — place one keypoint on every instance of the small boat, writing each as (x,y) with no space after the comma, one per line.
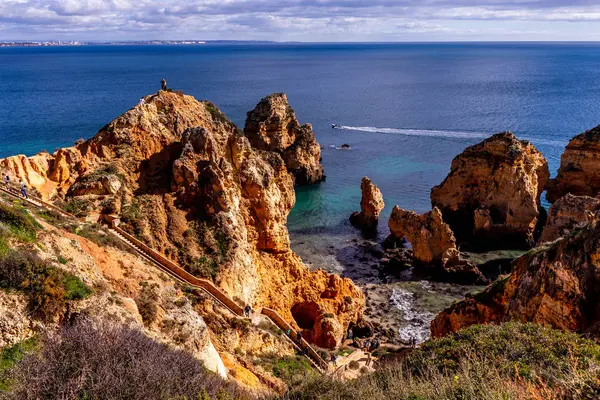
(334,126)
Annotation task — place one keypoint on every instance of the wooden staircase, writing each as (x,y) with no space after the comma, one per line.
(180,274)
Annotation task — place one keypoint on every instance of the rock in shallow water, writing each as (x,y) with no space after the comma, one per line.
(491,197)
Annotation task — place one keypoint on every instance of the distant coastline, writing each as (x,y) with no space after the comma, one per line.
(56,43)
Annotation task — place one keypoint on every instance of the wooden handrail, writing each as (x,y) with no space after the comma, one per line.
(284,326)
(316,361)
(32,200)
(182,273)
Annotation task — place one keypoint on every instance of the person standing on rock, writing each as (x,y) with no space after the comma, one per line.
(163,84)
(142,102)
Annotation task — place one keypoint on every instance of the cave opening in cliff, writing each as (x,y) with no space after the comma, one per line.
(305,314)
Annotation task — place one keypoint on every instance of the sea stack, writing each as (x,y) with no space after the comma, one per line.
(433,244)
(273,126)
(579,172)
(491,197)
(371,205)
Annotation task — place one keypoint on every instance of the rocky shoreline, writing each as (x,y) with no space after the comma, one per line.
(215,198)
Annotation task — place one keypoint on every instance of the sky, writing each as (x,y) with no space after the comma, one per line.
(301,20)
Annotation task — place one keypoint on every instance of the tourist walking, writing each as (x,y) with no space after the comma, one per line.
(142,102)
(299,338)
(333,359)
(368,359)
(163,84)
(6,181)
(247,310)
(23,187)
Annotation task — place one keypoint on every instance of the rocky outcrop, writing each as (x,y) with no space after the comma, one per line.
(567,213)
(371,205)
(555,285)
(191,186)
(433,244)
(491,197)
(273,126)
(579,172)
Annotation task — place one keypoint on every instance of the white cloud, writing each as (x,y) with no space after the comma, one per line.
(294,19)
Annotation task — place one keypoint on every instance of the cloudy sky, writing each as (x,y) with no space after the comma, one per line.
(301,20)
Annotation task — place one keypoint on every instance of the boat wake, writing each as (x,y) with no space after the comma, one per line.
(467,135)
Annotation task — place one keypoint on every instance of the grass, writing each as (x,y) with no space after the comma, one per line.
(20,224)
(510,361)
(10,356)
(75,288)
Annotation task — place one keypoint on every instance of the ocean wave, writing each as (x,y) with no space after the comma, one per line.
(416,322)
(469,135)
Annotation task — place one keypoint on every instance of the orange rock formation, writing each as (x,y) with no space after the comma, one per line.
(555,285)
(371,205)
(491,197)
(579,171)
(187,182)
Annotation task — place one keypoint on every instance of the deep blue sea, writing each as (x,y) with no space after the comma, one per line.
(407,109)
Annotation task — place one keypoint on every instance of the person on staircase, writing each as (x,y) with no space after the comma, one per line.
(6,181)
(247,310)
(23,187)
(299,338)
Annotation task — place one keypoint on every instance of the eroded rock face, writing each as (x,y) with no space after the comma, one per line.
(568,212)
(433,244)
(431,238)
(556,285)
(273,126)
(579,172)
(191,186)
(491,197)
(371,205)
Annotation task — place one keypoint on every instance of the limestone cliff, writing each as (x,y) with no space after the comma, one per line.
(579,171)
(273,126)
(433,244)
(371,204)
(554,285)
(185,180)
(568,212)
(491,197)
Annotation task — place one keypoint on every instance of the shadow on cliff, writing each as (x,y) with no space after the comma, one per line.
(156,172)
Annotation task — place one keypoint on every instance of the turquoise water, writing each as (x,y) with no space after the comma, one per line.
(407,109)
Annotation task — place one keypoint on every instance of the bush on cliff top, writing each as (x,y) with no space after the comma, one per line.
(98,360)
(510,361)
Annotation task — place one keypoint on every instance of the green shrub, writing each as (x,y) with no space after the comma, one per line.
(292,370)
(20,224)
(47,287)
(511,361)
(75,288)
(203,267)
(147,302)
(10,356)
(76,206)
